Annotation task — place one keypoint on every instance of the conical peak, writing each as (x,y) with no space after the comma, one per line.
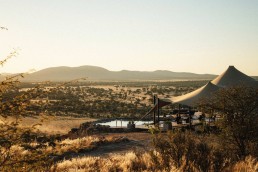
(232,68)
(209,86)
(209,83)
(235,73)
(194,96)
(232,77)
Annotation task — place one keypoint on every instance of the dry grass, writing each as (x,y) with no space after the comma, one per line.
(125,162)
(130,161)
(74,145)
(137,162)
(51,125)
(250,164)
(40,155)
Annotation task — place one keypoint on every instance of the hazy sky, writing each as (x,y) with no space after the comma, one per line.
(201,36)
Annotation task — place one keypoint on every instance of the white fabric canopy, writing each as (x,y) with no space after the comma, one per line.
(192,98)
(232,77)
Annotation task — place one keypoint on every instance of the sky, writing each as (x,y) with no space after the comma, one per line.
(199,36)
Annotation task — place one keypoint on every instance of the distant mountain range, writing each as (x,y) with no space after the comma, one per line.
(94,73)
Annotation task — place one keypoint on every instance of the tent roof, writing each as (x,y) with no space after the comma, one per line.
(232,77)
(192,98)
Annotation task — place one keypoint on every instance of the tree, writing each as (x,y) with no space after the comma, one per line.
(239,109)
(21,149)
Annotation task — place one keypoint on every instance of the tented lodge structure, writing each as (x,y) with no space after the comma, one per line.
(231,77)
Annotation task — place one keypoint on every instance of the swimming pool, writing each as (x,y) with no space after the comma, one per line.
(123,123)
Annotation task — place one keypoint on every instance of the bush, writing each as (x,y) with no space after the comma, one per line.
(190,152)
(239,109)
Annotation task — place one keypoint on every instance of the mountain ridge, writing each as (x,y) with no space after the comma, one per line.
(95,73)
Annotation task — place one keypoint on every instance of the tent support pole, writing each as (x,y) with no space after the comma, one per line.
(158,109)
(154,112)
(179,107)
(190,118)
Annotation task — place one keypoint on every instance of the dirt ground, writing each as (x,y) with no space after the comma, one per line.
(51,125)
(137,141)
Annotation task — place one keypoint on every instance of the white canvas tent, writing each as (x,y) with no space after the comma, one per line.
(192,98)
(233,77)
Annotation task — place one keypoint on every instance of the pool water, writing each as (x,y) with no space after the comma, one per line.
(123,123)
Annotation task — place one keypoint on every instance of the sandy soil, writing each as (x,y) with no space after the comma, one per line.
(51,125)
